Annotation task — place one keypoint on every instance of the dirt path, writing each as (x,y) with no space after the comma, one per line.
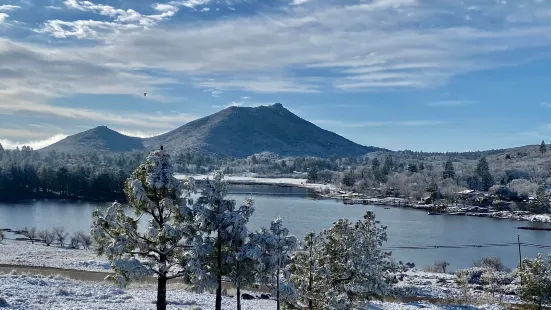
(80,275)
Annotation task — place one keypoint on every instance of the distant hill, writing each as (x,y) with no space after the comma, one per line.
(99,139)
(243,131)
(234,132)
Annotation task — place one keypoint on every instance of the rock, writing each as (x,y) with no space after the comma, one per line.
(247,297)
(265,296)
(3,303)
(478,288)
(441,280)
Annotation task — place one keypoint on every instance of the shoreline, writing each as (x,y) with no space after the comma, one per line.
(330,191)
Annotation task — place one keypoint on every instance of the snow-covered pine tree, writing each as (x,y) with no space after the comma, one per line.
(276,248)
(304,271)
(222,231)
(353,266)
(154,193)
(244,270)
(535,276)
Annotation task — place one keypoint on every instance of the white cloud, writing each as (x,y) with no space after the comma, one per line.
(205,9)
(35,144)
(451,103)
(298,2)
(190,3)
(3,17)
(122,21)
(139,133)
(367,46)
(9,7)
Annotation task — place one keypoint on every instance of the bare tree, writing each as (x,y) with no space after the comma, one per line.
(60,235)
(47,236)
(441,266)
(75,241)
(84,239)
(30,233)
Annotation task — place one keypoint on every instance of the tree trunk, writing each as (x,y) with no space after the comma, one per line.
(219,276)
(310,281)
(238,297)
(277,286)
(238,284)
(161,293)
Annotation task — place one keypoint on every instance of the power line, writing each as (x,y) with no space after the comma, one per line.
(466,246)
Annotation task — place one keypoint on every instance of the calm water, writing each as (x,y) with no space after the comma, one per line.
(301,215)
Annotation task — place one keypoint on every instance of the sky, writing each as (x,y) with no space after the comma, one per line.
(431,75)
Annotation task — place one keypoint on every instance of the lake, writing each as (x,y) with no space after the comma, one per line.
(406,228)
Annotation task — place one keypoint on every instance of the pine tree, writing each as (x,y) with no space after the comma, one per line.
(449,171)
(483,173)
(304,270)
(151,191)
(350,266)
(1,148)
(222,233)
(276,248)
(535,281)
(312,175)
(388,165)
(543,147)
(541,202)
(412,168)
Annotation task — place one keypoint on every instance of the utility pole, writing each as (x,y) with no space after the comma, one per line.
(519,256)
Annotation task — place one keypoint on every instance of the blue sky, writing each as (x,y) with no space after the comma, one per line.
(433,75)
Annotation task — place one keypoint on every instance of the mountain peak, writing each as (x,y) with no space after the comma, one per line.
(243,131)
(98,139)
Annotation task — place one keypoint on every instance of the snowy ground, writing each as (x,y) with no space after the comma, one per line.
(415,283)
(268,181)
(27,254)
(38,292)
(441,286)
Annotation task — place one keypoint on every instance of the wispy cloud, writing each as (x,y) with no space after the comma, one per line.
(339,123)
(451,103)
(258,84)
(35,144)
(143,120)
(545,104)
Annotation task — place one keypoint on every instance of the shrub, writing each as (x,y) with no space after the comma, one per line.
(492,263)
(471,275)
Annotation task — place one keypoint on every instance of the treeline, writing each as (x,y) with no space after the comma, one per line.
(85,183)
(29,174)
